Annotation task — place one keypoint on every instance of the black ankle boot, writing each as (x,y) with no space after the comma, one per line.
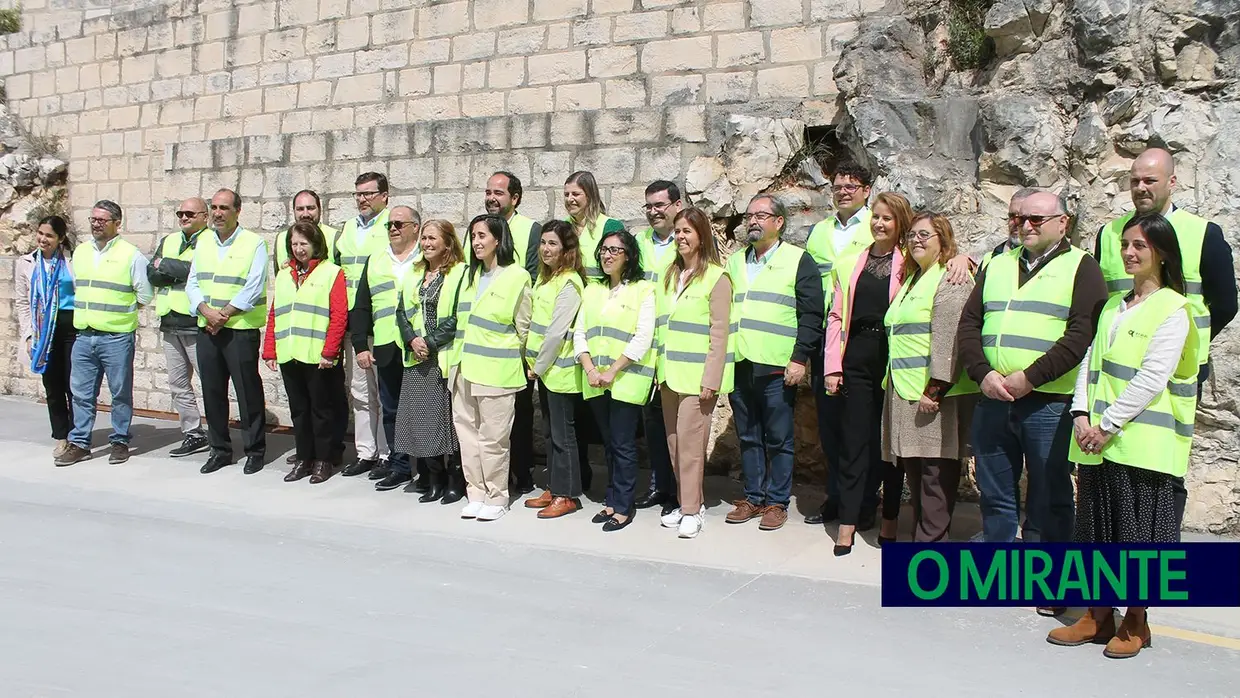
(455,490)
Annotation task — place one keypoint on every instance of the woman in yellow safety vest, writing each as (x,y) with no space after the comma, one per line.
(427,324)
(614,341)
(1133,412)
(487,369)
(550,358)
(929,403)
(695,361)
(305,333)
(855,363)
(588,215)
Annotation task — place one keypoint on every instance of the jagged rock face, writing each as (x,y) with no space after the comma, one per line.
(32,185)
(1074,92)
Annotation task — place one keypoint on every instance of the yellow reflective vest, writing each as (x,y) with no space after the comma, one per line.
(491,350)
(609,323)
(104,298)
(564,374)
(303,313)
(767,307)
(220,279)
(684,335)
(908,322)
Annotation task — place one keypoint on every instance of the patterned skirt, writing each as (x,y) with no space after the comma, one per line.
(424,414)
(1122,504)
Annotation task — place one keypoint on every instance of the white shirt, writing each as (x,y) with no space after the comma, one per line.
(842,233)
(643,334)
(1156,369)
(401,268)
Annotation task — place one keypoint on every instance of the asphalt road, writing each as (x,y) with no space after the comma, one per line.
(149,579)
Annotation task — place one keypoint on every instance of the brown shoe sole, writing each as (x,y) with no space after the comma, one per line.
(62,464)
(1110,654)
(730,518)
(768,527)
(1095,640)
(536,504)
(545,515)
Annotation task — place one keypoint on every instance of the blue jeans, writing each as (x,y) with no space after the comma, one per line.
(1032,433)
(96,355)
(763,407)
(617,421)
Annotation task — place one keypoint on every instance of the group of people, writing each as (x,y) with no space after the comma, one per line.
(1034,359)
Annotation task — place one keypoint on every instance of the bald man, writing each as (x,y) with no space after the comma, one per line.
(1023,333)
(1207,259)
(168,272)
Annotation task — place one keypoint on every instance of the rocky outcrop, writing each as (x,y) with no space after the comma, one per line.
(1072,92)
(32,183)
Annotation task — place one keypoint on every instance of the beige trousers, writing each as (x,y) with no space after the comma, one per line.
(484,427)
(687,420)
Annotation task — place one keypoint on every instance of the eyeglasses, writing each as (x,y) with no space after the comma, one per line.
(920,235)
(760,216)
(611,250)
(189,214)
(1035,221)
(845,188)
(397,225)
(366,194)
(101,221)
(658,206)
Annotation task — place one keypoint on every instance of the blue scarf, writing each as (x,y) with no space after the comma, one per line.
(44,305)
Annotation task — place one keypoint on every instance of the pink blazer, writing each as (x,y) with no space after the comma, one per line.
(837,334)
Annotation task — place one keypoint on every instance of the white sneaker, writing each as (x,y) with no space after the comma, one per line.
(491,512)
(671,519)
(471,510)
(691,525)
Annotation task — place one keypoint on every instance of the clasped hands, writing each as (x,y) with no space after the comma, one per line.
(1091,439)
(997,386)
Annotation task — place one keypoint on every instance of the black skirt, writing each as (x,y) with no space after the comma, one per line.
(1122,504)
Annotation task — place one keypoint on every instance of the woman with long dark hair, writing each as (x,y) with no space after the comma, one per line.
(614,341)
(588,214)
(304,340)
(487,367)
(856,362)
(426,320)
(695,363)
(549,355)
(44,303)
(1133,412)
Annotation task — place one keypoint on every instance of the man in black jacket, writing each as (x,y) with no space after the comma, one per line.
(168,271)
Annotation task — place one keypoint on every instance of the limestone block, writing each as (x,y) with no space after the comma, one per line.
(504,73)
(393,27)
(557,67)
(245,103)
(487,103)
(469,135)
(130,42)
(245,50)
(351,144)
(333,66)
(580,96)
(123,117)
(333,9)
(428,52)
(686,20)
(77,52)
(612,6)
(438,107)
(474,76)
(796,44)
(640,26)
(549,168)
(559,9)
(256,19)
(109,73)
(358,89)
(105,46)
(137,69)
(391,140)
(659,163)
(447,19)
(217,83)
(66,79)
(611,61)
(283,182)
(165,89)
(447,79)
(496,14)
(296,122)
(284,45)
(174,63)
(267,149)
(677,54)
(388,113)
(208,107)
(773,13)
(837,10)
(609,165)
(159,37)
(415,173)
(521,42)
(729,88)
(352,34)
(687,123)
(414,82)
(320,38)
(191,156)
(675,89)
(624,93)
(728,16)
(469,47)
(176,111)
(790,82)
(209,57)
(296,13)
(449,206)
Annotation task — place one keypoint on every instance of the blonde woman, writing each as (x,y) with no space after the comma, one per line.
(588,215)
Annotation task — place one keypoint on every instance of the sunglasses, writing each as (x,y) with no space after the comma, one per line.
(189,214)
(397,225)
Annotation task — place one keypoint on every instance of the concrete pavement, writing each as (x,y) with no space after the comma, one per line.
(149,579)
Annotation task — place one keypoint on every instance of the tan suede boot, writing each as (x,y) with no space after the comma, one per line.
(1096,626)
(1133,635)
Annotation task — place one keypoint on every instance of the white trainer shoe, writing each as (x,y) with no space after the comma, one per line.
(671,519)
(691,525)
(471,510)
(491,512)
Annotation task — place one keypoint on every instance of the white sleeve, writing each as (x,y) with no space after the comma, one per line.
(1156,368)
(579,337)
(643,336)
(1080,396)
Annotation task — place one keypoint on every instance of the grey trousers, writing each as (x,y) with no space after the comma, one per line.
(180,358)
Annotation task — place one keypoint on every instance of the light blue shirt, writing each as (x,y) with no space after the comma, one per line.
(754,263)
(255,287)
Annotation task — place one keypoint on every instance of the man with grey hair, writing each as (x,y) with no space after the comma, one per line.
(1013,225)
(778,291)
(1022,336)
(110,283)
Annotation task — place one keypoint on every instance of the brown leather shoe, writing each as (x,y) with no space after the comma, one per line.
(559,507)
(1133,635)
(73,454)
(744,510)
(320,471)
(773,517)
(1096,626)
(300,469)
(542,501)
(118,453)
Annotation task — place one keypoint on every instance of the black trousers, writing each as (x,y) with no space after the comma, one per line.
(389,378)
(521,453)
(583,424)
(862,469)
(56,376)
(312,402)
(617,421)
(232,355)
(565,463)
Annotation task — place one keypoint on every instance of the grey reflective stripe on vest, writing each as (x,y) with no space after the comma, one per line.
(384,312)
(103,307)
(691,357)
(464,306)
(610,333)
(1120,371)
(538,328)
(107,285)
(1161,420)
(650,275)
(303,308)
(911,362)
(491,352)
(767,328)
(204,277)
(1116,285)
(353,260)
(1182,389)
(603,363)
(1176,389)
(351,284)
(491,325)
(661,320)
(768,297)
(910,328)
(687,327)
(383,288)
(825,268)
(994,306)
(1202,322)
(1059,312)
(1017,342)
(301,332)
(1192,288)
